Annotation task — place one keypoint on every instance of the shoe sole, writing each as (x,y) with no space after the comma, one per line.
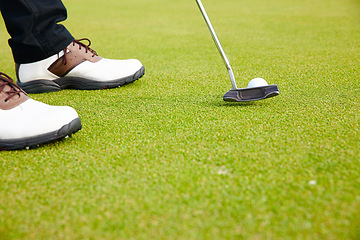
(36,141)
(42,86)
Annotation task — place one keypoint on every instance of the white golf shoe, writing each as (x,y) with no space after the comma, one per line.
(26,123)
(77,67)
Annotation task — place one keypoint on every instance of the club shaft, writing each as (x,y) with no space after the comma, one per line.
(217,43)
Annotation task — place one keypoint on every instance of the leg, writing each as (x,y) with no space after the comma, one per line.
(35,35)
(34,29)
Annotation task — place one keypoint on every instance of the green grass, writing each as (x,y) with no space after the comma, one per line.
(166,158)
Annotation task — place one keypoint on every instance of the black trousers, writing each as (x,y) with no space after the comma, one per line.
(34,28)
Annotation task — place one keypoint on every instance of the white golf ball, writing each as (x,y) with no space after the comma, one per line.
(257,82)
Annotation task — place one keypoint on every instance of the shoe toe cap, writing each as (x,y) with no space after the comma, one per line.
(33,118)
(106,69)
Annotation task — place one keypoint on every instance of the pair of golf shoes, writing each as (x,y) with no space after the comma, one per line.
(26,123)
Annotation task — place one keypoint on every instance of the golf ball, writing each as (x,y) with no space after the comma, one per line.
(257,82)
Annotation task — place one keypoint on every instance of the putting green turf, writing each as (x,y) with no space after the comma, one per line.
(166,158)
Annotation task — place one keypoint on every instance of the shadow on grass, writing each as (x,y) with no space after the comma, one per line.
(218,102)
(238,104)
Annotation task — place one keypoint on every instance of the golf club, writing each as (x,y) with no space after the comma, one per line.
(256,91)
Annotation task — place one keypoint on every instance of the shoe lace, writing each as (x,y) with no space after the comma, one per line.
(5,80)
(81,45)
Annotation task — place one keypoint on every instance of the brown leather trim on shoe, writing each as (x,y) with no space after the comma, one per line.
(75,54)
(13,102)
(10,95)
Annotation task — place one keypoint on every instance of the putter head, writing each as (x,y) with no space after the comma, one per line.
(251,94)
